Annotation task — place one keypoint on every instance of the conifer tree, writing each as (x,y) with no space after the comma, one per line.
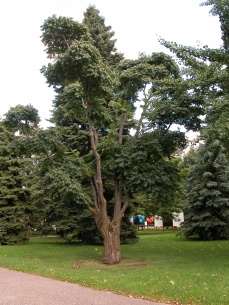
(102,36)
(207,209)
(15,207)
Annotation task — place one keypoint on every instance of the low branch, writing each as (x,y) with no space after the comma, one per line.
(92,210)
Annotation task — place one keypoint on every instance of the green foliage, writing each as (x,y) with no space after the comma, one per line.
(217,120)
(15,204)
(22,118)
(207,209)
(101,35)
(173,199)
(60,32)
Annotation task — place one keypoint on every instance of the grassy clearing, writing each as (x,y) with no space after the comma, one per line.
(160,267)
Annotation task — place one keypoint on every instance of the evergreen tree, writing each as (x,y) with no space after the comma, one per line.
(101,35)
(207,209)
(15,204)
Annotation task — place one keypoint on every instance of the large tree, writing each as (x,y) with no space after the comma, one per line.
(101,101)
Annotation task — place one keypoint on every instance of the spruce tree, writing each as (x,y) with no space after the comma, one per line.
(207,209)
(15,208)
(102,36)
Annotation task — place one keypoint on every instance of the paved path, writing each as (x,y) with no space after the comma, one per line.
(17,288)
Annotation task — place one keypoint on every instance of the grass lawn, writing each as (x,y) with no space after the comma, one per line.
(160,267)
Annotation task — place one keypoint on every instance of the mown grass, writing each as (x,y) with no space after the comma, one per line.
(160,267)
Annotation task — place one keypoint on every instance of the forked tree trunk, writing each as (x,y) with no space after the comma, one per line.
(110,230)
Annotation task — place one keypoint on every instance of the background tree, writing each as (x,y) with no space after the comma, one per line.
(102,36)
(23,121)
(207,76)
(15,201)
(207,209)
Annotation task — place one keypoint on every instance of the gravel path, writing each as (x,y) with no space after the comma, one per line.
(17,288)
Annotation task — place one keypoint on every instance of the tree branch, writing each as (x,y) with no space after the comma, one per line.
(94,194)
(93,211)
(93,141)
(119,214)
(121,128)
(118,198)
(140,121)
(125,204)
(65,40)
(50,159)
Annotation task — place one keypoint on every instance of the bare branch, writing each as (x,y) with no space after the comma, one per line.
(65,40)
(50,159)
(125,204)
(84,105)
(118,197)
(140,121)
(94,193)
(118,216)
(93,140)
(121,128)
(93,211)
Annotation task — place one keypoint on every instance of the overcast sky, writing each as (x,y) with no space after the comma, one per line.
(137,25)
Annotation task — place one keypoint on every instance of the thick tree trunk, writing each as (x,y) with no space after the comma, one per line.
(112,253)
(110,232)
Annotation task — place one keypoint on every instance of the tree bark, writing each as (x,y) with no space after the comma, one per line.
(112,253)
(110,231)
